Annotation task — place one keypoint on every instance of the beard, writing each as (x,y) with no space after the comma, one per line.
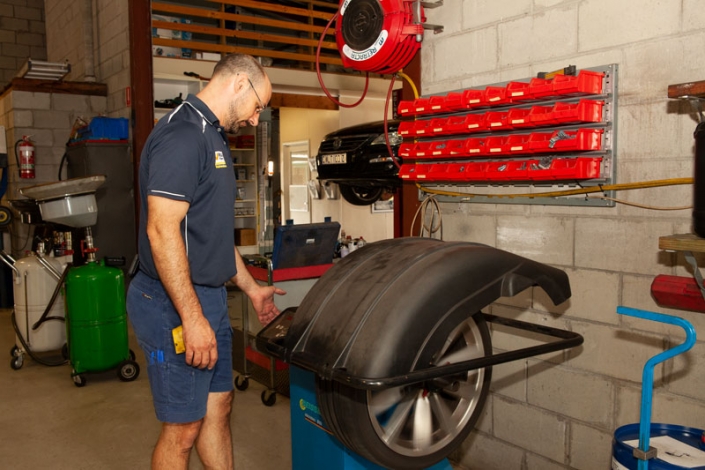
(234,123)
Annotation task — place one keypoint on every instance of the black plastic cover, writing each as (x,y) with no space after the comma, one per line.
(374,312)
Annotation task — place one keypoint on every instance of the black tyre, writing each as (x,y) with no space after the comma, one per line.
(128,370)
(417,425)
(5,216)
(269,397)
(361,195)
(13,351)
(79,380)
(241,383)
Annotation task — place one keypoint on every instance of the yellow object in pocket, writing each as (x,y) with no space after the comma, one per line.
(178,335)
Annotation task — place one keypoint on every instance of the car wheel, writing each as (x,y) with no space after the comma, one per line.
(417,425)
(360,195)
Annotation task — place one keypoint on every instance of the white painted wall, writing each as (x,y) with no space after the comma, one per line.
(560,412)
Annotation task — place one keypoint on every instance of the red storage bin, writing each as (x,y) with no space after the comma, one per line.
(456,148)
(475,146)
(518,91)
(453,101)
(406,128)
(437,172)
(495,145)
(516,144)
(575,168)
(455,172)
(440,148)
(473,98)
(582,111)
(540,87)
(475,171)
(437,104)
(465,124)
(422,106)
(541,116)
(498,171)
(414,171)
(539,170)
(422,128)
(497,120)
(586,82)
(406,108)
(519,117)
(582,140)
(437,126)
(495,95)
(423,150)
(407,149)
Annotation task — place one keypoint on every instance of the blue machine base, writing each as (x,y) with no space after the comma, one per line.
(314,447)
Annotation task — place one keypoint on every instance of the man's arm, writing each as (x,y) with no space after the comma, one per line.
(170,259)
(262,297)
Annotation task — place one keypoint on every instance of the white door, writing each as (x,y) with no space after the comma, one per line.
(297,203)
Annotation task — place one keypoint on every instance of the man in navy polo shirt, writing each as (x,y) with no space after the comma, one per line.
(187,253)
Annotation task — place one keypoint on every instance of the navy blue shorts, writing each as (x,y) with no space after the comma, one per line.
(180,391)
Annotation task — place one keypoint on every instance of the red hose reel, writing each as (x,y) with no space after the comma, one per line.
(379,36)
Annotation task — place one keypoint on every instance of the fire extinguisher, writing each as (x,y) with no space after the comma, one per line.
(24,154)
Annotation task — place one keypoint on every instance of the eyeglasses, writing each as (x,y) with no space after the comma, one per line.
(261,105)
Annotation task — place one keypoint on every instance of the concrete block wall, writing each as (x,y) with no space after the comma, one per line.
(111,45)
(22,35)
(560,411)
(48,119)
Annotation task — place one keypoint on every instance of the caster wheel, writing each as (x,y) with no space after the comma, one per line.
(128,370)
(241,383)
(269,398)
(132,355)
(79,380)
(65,351)
(13,351)
(16,362)
(5,216)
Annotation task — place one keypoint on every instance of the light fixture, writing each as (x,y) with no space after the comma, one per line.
(270,168)
(41,70)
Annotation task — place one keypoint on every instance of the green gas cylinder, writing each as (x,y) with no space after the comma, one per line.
(96,323)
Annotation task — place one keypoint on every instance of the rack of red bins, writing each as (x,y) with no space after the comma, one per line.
(548,169)
(561,113)
(558,141)
(586,82)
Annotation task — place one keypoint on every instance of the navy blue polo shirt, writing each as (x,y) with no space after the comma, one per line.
(187,158)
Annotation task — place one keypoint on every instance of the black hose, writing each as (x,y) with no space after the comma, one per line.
(28,350)
(61,164)
(44,317)
(17,157)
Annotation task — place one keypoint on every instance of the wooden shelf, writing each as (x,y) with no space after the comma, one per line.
(687,90)
(682,242)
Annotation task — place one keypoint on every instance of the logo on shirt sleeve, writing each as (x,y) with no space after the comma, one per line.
(220,160)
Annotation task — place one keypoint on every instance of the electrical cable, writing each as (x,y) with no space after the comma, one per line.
(431,228)
(565,192)
(643,206)
(320,77)
(410,81)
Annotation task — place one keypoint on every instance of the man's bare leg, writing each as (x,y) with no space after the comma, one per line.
(214,443)
(174,446)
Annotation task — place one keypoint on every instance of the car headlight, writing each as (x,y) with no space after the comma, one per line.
(394,139)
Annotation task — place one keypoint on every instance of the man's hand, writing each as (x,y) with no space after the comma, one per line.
(263,301)
(200,343)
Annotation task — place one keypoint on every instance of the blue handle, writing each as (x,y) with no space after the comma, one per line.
(647,380)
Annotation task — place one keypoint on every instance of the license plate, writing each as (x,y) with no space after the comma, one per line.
(334,159)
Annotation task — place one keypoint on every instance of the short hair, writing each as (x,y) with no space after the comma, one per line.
(232,64)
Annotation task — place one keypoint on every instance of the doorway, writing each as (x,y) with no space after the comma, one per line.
(297,177)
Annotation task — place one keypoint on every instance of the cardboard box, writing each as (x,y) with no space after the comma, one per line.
(245,237)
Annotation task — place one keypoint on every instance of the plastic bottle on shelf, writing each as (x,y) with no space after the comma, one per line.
(361,242)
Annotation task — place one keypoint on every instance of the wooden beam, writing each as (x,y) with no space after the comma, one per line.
(201,13)
(254,5)
(288,100)
(50,86)
(684,90)
(317,4)
(253,51)
(224,32)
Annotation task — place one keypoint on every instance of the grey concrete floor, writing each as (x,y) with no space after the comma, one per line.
(46,422)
